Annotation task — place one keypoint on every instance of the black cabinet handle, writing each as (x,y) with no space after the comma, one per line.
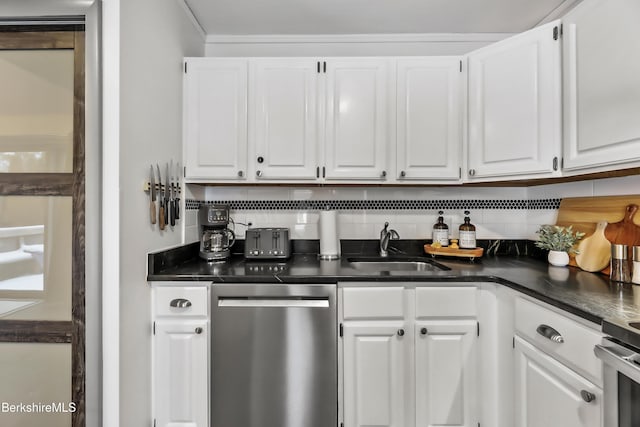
(423,331)
(400,332)
(180,303)
(260,159)
(587,396)
(550,333)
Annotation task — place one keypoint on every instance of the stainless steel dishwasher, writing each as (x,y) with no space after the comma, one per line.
(274,356)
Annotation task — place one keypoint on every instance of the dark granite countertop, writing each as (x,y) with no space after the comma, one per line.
(587,295)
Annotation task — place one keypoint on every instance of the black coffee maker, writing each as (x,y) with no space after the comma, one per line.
(216,238)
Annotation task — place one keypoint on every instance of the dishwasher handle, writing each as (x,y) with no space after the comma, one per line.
(276,302)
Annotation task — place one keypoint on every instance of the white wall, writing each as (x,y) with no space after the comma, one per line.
(155,35)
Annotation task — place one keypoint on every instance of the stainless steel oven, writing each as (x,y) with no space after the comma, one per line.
(621,383)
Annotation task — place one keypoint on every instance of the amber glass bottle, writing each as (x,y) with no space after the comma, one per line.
(441,231)
(467,233)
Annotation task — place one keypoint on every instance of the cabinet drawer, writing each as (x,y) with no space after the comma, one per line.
(445,302)
(534,322)
(181,301)
(379,303)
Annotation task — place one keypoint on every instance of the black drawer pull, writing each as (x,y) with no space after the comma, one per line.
(180,303)
(550,333)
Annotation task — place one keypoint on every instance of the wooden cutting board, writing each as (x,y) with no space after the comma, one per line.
(585,212)
(624,232)
(595,250)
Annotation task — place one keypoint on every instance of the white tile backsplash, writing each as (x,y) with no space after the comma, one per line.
(617,186)
(567,189)
(411,224)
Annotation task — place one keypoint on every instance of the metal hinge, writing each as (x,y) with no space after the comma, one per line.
(556,33)
(341,332)
(154,328)
(478,328)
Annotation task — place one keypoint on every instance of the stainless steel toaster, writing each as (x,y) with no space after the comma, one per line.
(267,243)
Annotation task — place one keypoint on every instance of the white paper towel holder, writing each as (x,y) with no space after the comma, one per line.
(333,252)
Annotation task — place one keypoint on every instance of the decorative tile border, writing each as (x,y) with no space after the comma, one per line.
(300,205)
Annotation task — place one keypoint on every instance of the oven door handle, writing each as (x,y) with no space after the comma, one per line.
(621,359)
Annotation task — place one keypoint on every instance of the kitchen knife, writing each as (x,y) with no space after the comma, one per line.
(172,202)
(152,193)
(178,190)
(161,218)
(166,194)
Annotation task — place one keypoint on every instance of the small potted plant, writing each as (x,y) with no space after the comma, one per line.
(560,241)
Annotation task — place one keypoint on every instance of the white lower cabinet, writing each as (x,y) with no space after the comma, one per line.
(558,378)
(180,357)
(550,394)
(445,371)
(181,373)
(375,368)
(404,366)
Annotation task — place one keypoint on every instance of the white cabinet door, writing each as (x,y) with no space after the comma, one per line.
(601,85)
(284,100)
(515,105)
(181,373)
(429,118)
(550,394)
(446,382)
(374,374)
(357,110)
(215,118)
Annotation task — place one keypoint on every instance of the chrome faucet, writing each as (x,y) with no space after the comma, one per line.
(385,236)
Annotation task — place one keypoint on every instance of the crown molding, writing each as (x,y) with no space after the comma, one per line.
(355,38)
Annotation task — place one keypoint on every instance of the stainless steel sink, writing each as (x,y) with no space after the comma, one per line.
(398,264)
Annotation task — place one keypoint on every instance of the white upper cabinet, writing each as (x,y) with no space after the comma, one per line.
(215,118)
(357,118)
(284,105)
(601,41)
(515,106)
(429,114)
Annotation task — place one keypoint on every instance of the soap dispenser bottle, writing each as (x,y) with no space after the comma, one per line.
(467,233)
(441,231)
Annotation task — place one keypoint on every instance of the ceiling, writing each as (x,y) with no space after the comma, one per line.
(311,17)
